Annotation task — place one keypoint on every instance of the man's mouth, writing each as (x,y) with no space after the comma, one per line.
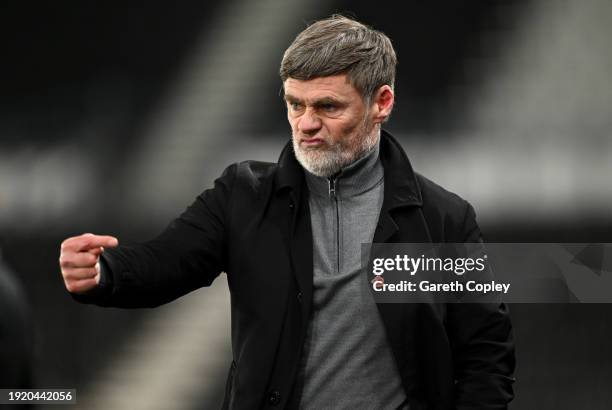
(312,142)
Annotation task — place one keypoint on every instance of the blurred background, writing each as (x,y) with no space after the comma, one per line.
(115,115)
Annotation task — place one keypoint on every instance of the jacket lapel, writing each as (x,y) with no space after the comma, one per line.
(401,221)
(301,253)
(408,226)
(290,181)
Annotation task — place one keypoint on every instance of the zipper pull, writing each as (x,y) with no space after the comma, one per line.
(332,187)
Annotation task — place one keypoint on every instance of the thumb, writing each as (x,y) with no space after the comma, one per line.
(99,249)
(105,241)
(92,242)
(109,242)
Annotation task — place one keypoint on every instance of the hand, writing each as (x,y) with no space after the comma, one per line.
(80,260)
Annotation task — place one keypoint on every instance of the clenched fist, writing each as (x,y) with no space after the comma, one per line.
(80,260)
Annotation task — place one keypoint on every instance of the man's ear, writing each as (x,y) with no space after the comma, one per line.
(382,104)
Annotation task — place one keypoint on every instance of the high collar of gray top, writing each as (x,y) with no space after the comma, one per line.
(358,177)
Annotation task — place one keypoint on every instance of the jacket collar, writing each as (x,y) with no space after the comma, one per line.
(290,174)
(401,187)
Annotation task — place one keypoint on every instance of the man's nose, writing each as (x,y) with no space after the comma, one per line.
(309,122)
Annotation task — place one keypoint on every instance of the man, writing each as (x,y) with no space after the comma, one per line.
(288,236)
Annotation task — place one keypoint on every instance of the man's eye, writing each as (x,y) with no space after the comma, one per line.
(328,107)
(295,106)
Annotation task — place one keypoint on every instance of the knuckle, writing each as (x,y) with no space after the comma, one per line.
(69,274)
(91,259)
(70,286)
(66,243)
(63,260)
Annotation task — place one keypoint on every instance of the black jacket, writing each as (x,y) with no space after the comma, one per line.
(254,224)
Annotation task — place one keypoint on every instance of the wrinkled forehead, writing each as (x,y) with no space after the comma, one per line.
(335,86)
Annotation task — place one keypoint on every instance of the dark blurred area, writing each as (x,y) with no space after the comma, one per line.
(114,116)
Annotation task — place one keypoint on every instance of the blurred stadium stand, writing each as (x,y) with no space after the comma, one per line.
(115,116)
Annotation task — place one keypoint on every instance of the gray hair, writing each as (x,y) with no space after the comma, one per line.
(340,45)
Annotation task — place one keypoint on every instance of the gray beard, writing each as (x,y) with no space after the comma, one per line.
(329,161)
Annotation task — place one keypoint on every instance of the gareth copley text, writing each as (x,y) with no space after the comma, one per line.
(426,286)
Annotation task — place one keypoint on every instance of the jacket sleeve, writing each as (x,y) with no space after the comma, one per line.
(188,254)
(482,345)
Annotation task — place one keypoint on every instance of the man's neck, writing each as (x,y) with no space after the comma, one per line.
(357,177)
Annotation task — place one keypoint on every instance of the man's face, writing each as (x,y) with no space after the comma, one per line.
(330,124)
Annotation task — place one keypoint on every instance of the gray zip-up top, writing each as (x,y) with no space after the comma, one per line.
(347,362)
